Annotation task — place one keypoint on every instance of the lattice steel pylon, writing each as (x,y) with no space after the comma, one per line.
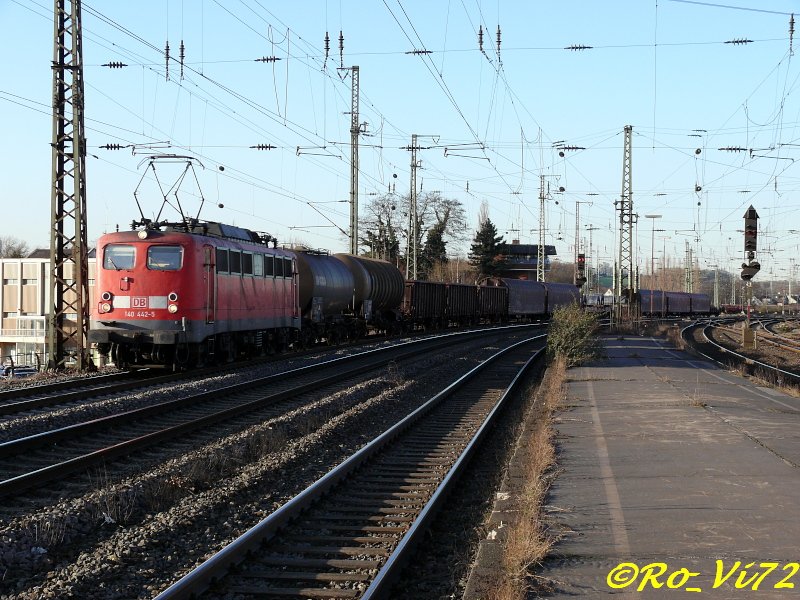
(354,131)
(68,231)
(540,250)
(626,219)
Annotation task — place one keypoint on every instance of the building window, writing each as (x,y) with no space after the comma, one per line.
(10,281)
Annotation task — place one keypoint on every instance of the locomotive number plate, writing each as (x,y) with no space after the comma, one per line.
(140,314)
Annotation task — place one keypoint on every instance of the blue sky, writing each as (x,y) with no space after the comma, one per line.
(661,66)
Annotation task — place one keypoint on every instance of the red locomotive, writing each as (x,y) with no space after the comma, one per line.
(182,293)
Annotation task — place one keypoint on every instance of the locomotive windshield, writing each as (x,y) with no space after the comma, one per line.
(164,258)
(119,256)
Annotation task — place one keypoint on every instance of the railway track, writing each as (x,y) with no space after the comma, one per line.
(37,460)
(698,336)
(20,400)
(776,339)
(349,534)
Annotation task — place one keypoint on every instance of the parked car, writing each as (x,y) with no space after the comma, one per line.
(8,372)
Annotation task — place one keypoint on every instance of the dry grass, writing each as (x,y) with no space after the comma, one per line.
(528,539)
(673,334)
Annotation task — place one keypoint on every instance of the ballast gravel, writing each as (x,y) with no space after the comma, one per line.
(132,537)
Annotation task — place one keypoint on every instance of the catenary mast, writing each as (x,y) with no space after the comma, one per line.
(68,232)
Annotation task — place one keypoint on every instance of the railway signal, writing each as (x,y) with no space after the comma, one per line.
(749,270)
(750,232)
(751,267)
(580,279)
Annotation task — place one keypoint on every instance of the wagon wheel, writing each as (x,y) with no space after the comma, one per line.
(118,356)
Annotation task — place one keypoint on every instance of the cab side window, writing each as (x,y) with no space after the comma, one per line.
(222,260)
(247,263)
(235,262)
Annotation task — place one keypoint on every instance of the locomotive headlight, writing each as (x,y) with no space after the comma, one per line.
(142,234)
(105,307)
(173,297)
(107,296)
(172,308)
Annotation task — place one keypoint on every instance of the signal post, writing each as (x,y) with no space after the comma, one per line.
(749,270)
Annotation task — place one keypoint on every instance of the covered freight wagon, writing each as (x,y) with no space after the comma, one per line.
(561,294)
(678,303)
(652,301)
(701,304)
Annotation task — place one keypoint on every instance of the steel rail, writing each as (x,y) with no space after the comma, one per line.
(216,567)
(376,358)
(741,358)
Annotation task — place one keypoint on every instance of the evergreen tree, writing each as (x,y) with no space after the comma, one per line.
(484,252)
(435,250)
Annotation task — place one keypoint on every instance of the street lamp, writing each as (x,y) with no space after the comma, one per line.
(652,253)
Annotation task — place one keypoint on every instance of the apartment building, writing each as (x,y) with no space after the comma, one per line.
(24,305)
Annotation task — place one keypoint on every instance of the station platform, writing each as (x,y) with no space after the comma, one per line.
(669,461)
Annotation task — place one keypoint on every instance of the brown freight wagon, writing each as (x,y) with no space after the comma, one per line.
(424,304)
(461,304)
(492,303)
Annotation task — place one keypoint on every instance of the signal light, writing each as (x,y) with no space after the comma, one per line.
(749,270)
(580,278)
(750,231)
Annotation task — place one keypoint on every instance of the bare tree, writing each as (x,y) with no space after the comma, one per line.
(11,247)
(434,210)
(381,228)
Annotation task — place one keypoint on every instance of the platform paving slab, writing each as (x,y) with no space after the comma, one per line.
(666,458)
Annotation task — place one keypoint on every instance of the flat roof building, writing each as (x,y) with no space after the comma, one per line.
(25,303)
(521,259)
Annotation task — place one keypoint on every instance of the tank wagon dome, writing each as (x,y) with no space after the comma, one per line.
(376,280)
(324,276)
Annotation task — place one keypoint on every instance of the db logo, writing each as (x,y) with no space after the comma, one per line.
(139,302)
